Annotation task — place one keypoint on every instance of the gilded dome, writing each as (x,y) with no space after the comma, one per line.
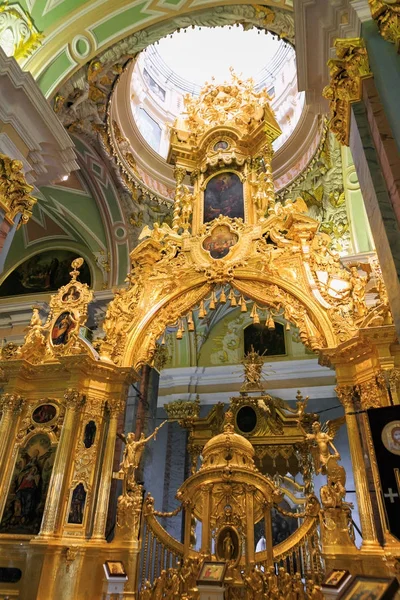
(228,449)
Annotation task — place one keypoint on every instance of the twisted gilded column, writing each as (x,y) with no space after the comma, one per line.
(103,498)
(370,542)
(55,498)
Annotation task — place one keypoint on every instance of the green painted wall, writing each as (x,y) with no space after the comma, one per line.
(385,64)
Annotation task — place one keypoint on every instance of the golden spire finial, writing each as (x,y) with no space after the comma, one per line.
(76,265)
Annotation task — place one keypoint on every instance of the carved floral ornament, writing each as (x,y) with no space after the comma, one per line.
(346,72)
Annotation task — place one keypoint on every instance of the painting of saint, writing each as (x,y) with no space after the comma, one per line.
(212,572)
(224,196)
(391,437)
(43,272)
(221,145)
(72,295)
(27,495)
(44,413)
(65,323)
(77,505)
(90,434)
(220,241)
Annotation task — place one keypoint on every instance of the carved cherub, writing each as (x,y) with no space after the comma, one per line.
(322,438)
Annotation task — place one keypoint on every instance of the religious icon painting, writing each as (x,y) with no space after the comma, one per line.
(391,437)
(26,498)
(212,573)
(115,568)
(220,241)
(62,328)
(89,434)
(336,578)
(72,295)
(77,507)
(362,587)
(385,431)
(45,413)
(224,196)
(221,145)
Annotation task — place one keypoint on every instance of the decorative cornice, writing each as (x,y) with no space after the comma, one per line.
(346,72)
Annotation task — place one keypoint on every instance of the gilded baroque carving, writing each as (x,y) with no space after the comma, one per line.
(345,393)
(74,400)
(181,409)
(15,192)
(387,17)
(59,335)
(11,403)
(18,35)
(346,72)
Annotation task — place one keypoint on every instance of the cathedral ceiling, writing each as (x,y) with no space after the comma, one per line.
(76,31)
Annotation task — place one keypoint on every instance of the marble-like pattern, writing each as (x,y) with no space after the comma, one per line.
(378,203)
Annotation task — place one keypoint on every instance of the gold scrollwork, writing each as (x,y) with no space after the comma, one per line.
(346,72)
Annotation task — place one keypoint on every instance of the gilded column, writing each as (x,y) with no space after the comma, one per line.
(345,394)
(11,406)
(250,524)
(188,528)
(206,526)
(103,498)
(55,499)
(268,534)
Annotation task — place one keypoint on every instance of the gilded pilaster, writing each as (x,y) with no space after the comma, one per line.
(345,394)
(346,74)
(249,524)
(55,499)
(103,498)
(10,406)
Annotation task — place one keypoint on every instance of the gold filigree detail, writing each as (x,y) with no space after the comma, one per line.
(387,17)
(15,192)
(347,72)
(182,409)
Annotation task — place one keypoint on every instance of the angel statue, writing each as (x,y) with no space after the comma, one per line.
(132,455)
(322,438)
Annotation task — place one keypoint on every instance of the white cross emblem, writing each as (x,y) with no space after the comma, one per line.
(391,495)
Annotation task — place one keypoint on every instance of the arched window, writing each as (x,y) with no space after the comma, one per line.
(267,342)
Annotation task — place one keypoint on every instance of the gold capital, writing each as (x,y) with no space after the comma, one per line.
(11,403)
(73,399)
